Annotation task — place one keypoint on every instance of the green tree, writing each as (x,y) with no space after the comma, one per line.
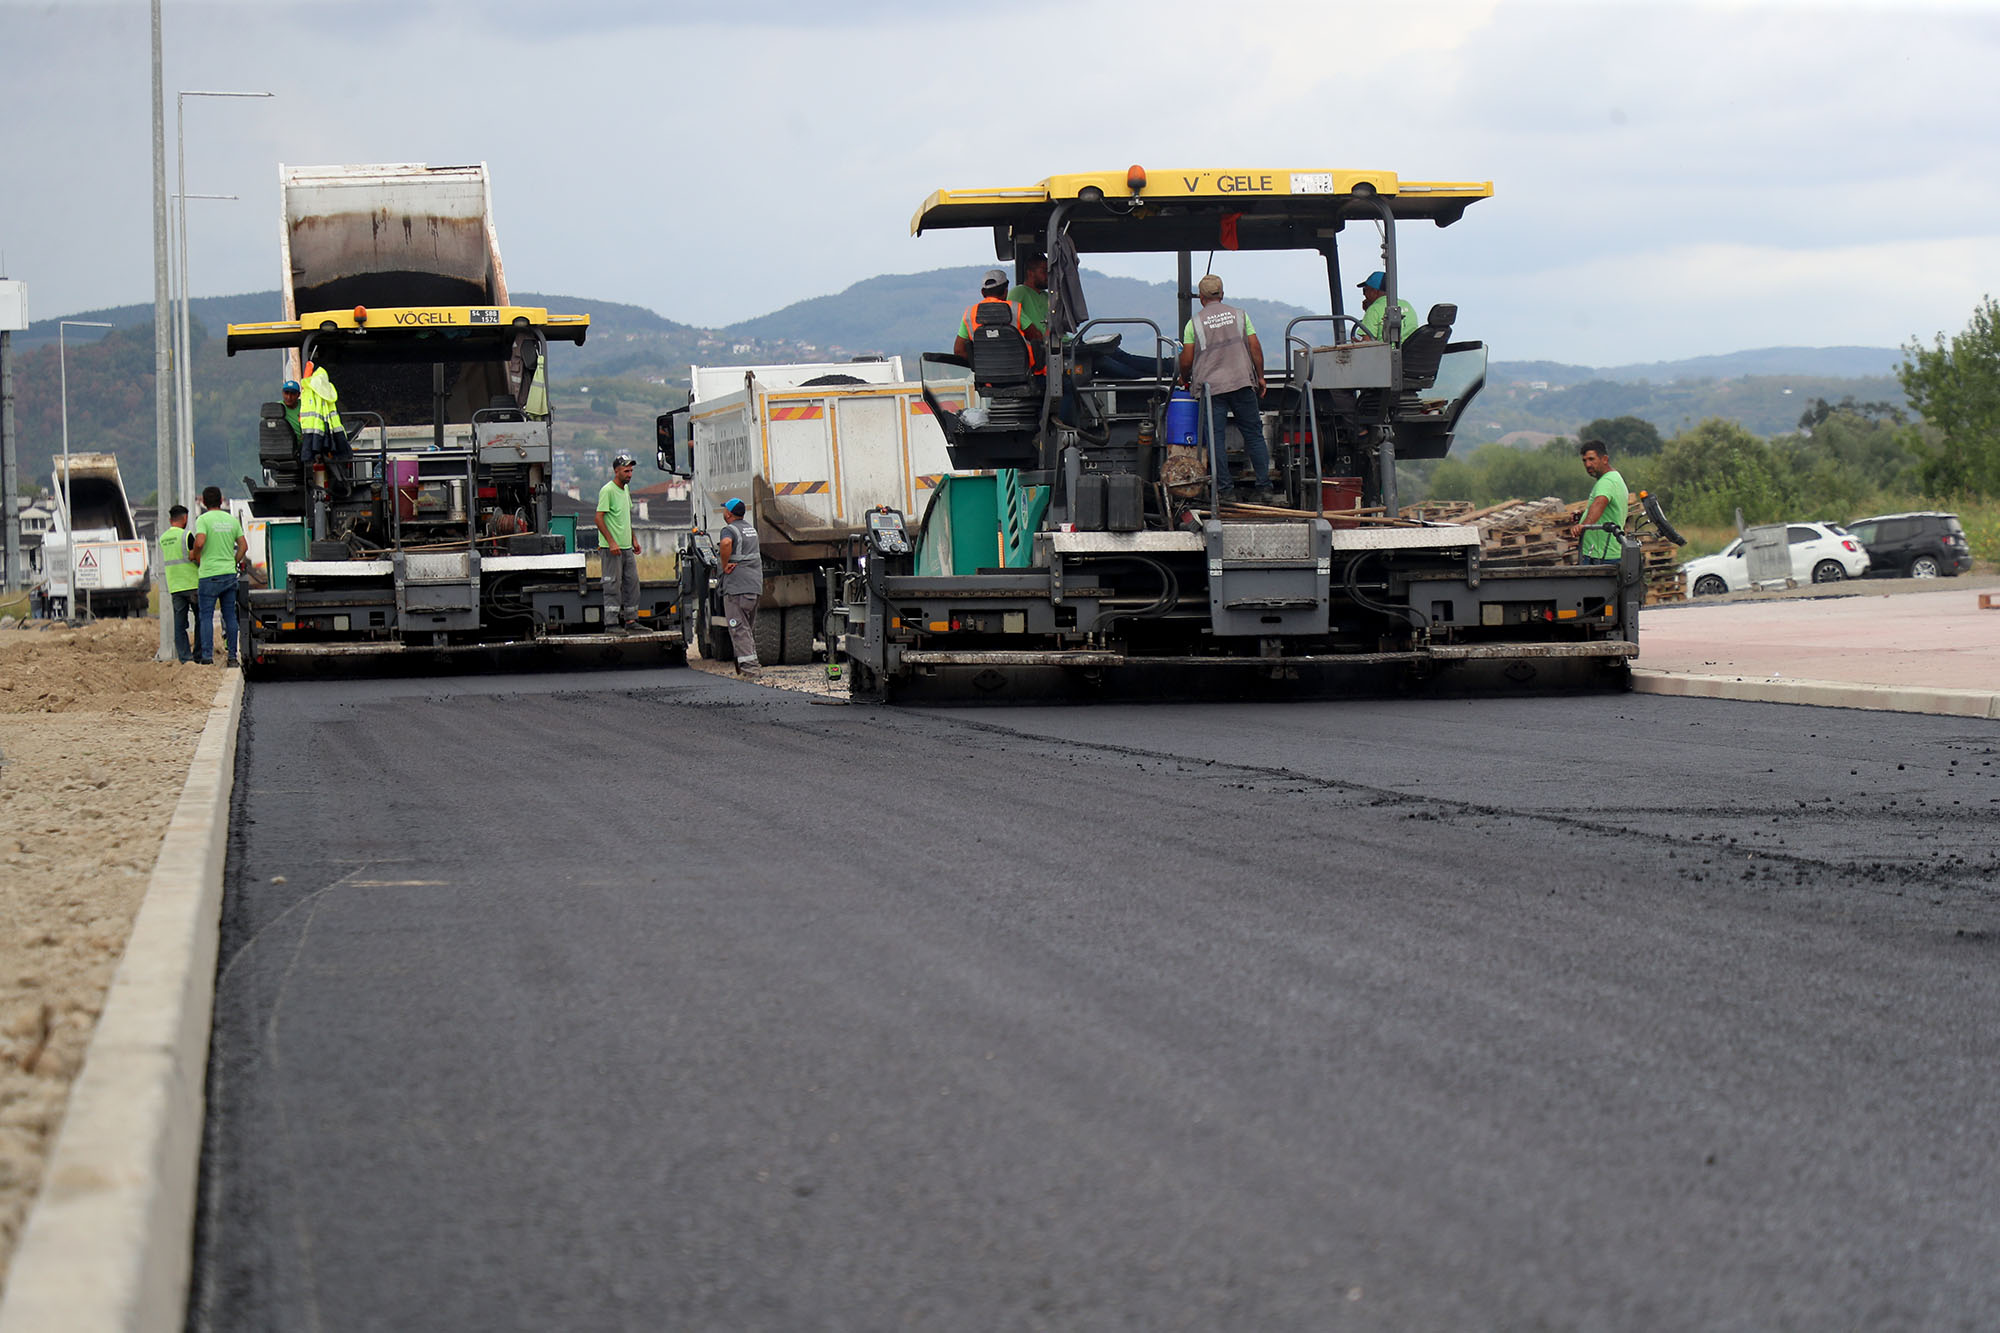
(1716,468)
(1955,386)
(1628,437)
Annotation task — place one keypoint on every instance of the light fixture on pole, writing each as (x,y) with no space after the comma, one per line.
(63,326)
(183,379)
(184,363)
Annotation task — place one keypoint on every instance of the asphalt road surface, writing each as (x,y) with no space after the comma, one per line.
(653,1000)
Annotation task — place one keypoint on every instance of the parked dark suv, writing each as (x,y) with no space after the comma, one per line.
(1922,546)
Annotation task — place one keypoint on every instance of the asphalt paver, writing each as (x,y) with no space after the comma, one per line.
(656,1000)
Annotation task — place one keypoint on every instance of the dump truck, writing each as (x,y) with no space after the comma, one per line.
(811,449)
(1087,551)
(434,538)
(95,548)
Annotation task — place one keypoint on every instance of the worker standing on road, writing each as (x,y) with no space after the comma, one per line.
(1375,310)
(742,583)
(183,583)
(1220,350)
(219,548)
(1608,501)
(620,563)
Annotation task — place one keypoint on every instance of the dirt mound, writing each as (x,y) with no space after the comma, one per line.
(104,667)
(95,742)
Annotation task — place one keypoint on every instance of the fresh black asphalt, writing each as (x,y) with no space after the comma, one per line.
(652,1000)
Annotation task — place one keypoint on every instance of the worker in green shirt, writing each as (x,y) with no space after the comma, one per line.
(1607,504)
(183,583)
(219,547)
(1375,310)
(290,393)
(618,563)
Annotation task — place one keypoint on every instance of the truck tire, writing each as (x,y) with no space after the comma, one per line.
(798,635)
(714,638)
(769,631)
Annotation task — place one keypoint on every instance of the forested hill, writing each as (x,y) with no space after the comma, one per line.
(639,358)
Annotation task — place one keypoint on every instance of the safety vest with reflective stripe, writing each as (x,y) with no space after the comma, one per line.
(319,404)
(174,558)
(970,321)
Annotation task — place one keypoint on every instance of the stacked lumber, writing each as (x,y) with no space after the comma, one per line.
(1531,532)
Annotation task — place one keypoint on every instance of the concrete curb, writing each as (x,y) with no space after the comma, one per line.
(110,1238)
(1819,693)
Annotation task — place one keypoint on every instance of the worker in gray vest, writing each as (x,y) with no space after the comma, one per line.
(742,583)
(1220,351)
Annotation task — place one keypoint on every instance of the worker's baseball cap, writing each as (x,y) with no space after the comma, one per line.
(290,386)
(1378,280)
(1210,285)
(994,281)
(733,506)
(624,460)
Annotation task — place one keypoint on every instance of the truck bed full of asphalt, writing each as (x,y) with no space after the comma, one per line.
(653,1000)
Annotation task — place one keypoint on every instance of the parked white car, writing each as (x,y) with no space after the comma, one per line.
(1821,553)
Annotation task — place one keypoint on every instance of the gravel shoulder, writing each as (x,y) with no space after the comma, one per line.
(95,740)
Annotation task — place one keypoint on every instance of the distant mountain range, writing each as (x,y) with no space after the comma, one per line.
(908,313)
(635,364)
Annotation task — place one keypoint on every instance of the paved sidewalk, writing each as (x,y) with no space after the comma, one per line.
(1938,641)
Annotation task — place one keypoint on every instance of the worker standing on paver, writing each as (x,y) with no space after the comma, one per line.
(183,583)
(618,562)
(1220,351)
(219,548)
(1608,501)
(742,583)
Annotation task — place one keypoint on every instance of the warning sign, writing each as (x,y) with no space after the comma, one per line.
(86,568)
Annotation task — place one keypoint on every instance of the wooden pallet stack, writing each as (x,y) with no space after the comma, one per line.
(1530,531)
(1661,557)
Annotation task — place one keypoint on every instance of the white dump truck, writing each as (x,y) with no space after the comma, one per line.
(811,448)
(105,570)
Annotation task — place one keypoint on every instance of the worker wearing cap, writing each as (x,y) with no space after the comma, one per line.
(1375,310)
(290,393)
(993,288)
(1220,352)
(742,583)
(619,563)
(183,583)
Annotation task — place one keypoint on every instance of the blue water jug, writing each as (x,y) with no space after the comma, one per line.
(1183,414)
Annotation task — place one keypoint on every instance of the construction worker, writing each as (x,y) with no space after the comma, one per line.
(742,583)
(993,288)
(1609,499)
(183,583)
(219,547)
(290,394)
(321,434)
(619,562)
(1032,295)
(1220,352)
(1375,310)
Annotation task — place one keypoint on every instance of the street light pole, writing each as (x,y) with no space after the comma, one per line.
(63,326)
(163,430)
(184,375)
(183,362)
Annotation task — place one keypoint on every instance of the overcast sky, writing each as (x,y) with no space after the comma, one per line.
(1670,180)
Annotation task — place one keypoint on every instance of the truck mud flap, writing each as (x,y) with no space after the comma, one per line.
(943,676)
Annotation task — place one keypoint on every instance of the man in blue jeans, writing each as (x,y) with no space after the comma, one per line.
(1220,350)
(219,547)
